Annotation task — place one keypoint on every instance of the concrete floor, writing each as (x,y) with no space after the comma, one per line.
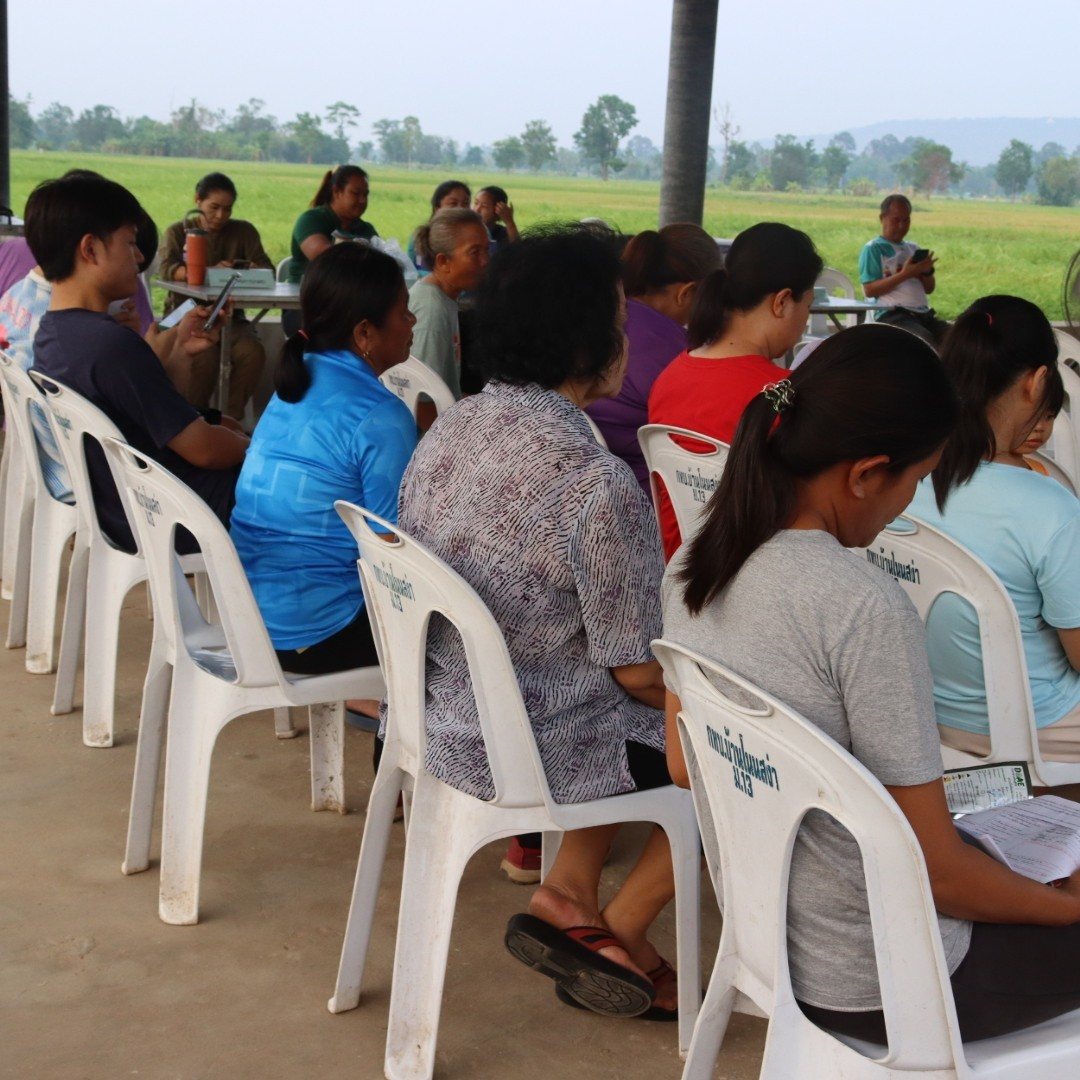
(93,986)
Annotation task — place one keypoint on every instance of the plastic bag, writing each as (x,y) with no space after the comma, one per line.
(392,248)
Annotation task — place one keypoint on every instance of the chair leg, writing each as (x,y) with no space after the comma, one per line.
(432,874)
(377,828)
(71,633)
(106,591)
(22,530)
(283,725)
(187,782)
(45,567)
(711,1025)
(155,708)
(326,724)
(687,863)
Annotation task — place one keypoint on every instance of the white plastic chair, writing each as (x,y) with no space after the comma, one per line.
(203,675)
(16,498)
(44,527)
(1064,444)
(1068,348)
(100,574)
(404,585)
(412,378)
(281,273)
(927,563)
(835,282)
(1055,471)
(688,477)
(748,844)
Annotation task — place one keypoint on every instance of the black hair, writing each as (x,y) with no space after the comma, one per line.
(335,180)
(146,237)
(764,259)
(345,285)
(863,392)
(444,189)
(896,197)
(497,193)
(59,213)
(439,235)
(215,181)
(673,255)
(548,309)
(993,343)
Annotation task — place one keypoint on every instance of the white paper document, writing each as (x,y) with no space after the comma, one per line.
(1039,838)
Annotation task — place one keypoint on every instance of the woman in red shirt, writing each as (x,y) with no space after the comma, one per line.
(753,310)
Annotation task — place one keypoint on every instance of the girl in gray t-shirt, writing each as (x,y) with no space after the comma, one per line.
(821,462)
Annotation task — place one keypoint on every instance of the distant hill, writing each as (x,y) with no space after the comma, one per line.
(976,142)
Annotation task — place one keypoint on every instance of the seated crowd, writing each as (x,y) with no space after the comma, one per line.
(559,537)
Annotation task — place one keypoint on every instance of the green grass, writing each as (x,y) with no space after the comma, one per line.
(982,247)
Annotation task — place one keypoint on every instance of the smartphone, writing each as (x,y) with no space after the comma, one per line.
(920,254)
(219,303)
(174,316)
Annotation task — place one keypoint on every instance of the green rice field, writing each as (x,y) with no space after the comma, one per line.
(982,246)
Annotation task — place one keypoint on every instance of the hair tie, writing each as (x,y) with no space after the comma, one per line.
(989,318)
(780,395)
(303,333)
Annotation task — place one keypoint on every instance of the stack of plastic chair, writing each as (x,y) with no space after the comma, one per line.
(405,585)
(748,844)
(688,477)
(203,675)
(100,574)
(42,526)
(1068,348)
(927,563)
(413,377)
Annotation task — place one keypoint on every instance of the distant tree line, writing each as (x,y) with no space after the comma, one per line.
(603,144)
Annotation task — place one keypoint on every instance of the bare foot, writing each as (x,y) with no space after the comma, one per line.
(562,911)
(645,958)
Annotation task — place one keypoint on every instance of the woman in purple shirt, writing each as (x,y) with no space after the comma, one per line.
(660,275)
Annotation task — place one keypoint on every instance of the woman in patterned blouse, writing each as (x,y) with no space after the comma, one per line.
(512,490)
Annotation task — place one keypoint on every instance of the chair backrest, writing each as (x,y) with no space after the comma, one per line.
(404,585)
(19,395)
(157,504)
(688,477)
(1054,470)
(1064,444)
(927,563)
(411,379)
(598,435)
(836,282)
(756,771)
(1068,346)
(74,420)
(282,271)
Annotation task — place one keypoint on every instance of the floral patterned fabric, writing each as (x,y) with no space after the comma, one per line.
(511,489)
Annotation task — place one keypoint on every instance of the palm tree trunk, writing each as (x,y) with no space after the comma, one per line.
(686,125)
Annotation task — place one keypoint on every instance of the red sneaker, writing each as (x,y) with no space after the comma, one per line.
(521,864)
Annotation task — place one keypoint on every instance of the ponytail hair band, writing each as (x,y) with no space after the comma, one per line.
(780,395)
(303,333)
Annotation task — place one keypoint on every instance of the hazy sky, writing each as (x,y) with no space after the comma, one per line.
(477,72)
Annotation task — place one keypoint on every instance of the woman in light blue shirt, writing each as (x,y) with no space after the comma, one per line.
(332,431)
(1002,356)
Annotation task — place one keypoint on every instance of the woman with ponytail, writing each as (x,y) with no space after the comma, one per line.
(337,211)
(821,462)
(661,271)
(332,431)
(1002,356)
(743,317)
